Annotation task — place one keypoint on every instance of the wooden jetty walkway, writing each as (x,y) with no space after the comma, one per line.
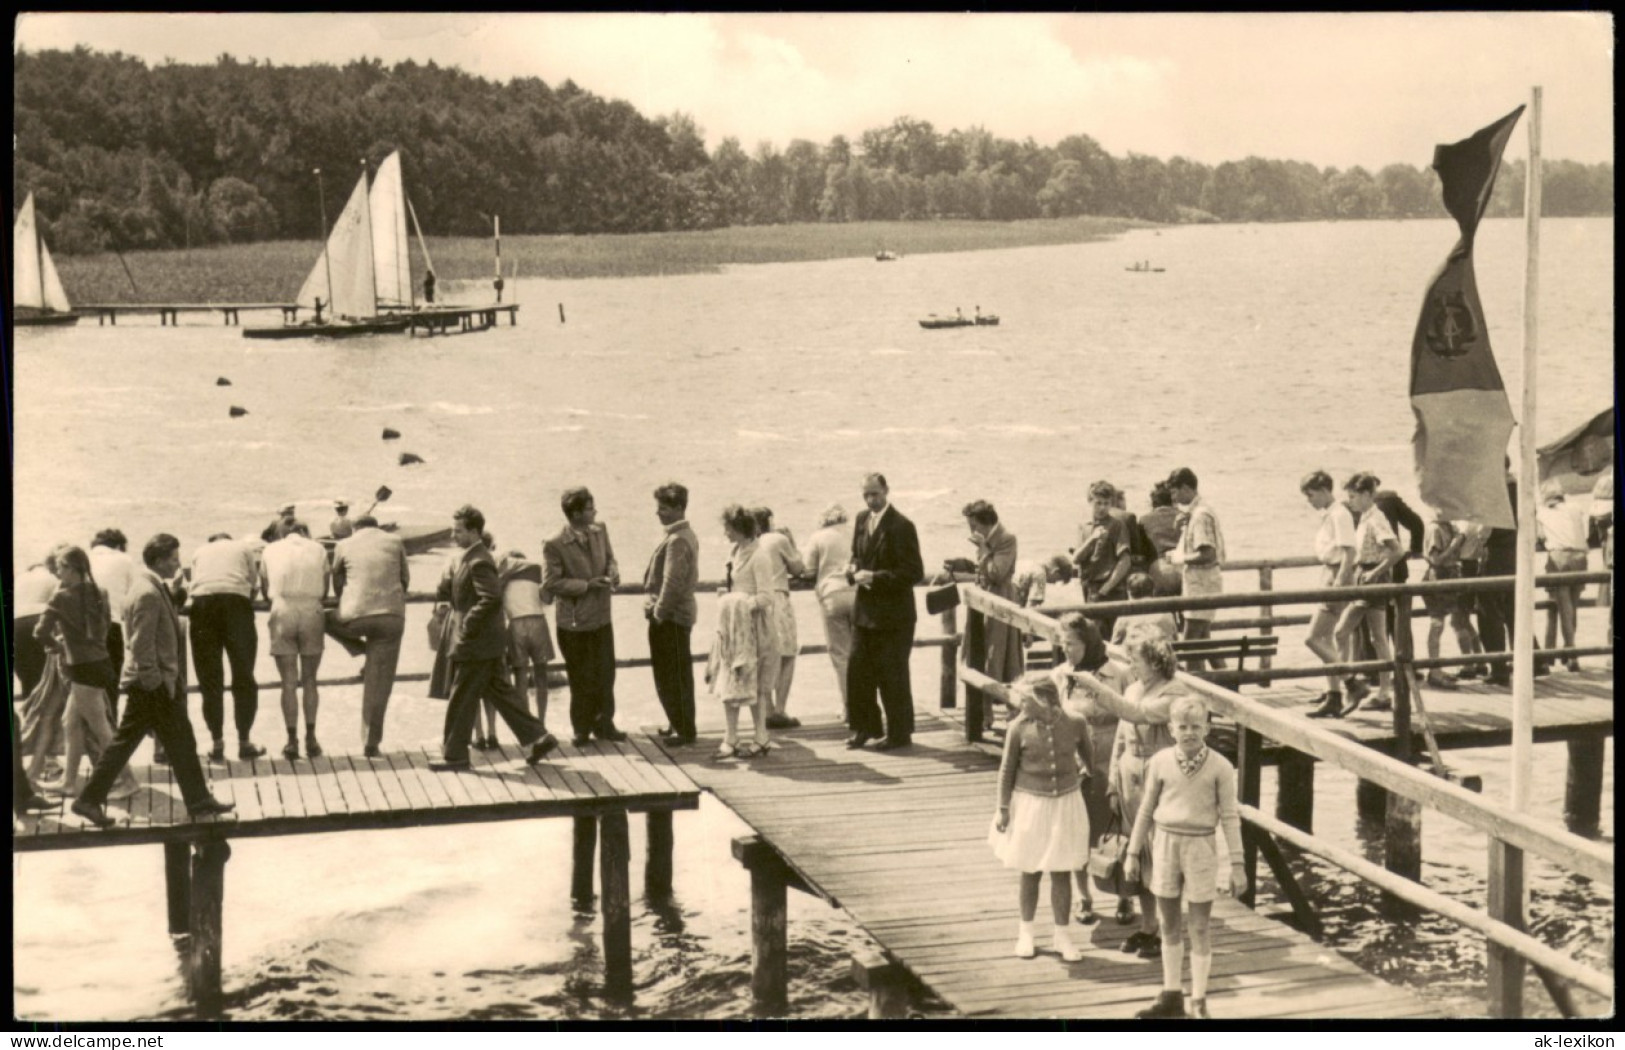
(597,785)
(170,313)
(899,840)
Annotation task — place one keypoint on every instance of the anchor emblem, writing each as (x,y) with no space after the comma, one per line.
(1452,331)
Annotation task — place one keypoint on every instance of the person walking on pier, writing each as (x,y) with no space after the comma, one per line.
(1041,824)
(151,679)
(1334,549)
(579,571)
(670,579)
(1190,793)
(370,577)
(1562,528)
(826,557)
(294,577)
(478,641)
(1376,550)
(31,591)
(223,575)
(783,561)
(113,569)
(885,567)
(1085,651)
(1200,557)
(1474,539)
(530,644)
(1441,547)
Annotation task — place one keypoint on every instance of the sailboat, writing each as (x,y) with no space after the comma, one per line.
(37,297)
(362,281)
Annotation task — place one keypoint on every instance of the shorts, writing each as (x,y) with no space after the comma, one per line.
(1185,865)
(1328,578)
(1566,561)
(1467,601)
(1441,605)
(1387,576)
(297,628)
(97,673)
(529,642)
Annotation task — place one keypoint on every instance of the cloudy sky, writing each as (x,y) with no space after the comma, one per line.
(1332,89)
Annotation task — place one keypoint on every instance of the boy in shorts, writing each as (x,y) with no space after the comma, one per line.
(1441,547)
(1190,791)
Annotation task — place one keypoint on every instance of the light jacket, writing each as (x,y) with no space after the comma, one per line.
(569,561)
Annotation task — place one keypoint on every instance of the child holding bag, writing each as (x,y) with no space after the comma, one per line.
(1190,791)
(1041,825)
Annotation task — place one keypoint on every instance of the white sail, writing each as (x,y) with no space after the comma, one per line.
(349,261)
(56,299)
(34,281)
(389,243)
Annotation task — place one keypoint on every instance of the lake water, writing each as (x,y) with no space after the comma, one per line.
(1261,352)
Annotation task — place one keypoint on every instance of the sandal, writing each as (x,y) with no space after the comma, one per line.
(1086,916)
(754,750)
(726,751)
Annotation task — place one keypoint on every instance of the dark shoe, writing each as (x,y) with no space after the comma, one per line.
(857,740)
(546,745)
(482,743)
(1085,915)
(1125,911)
(211,807)
(217,753)
(35,804)
(1434,681)
(611,734)
(893,745)
(1571,665)
(1470,672)
(93,812)
(680,741)
(443,766)
(580,741)
(371,752)
(313,749)
(291,751)
(248,751)
(666,734)
(1381,703)
(1152,949)
(1137,940)
(1198,1010)
(1357,691)
(1331,706)
(1542,668)
(1500,681)
(1169,1006)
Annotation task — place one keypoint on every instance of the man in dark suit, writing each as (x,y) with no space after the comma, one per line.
(478,640)
(151,681)
(885,567)
(670,581)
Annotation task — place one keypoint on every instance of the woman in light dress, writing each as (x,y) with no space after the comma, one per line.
(777,549)
(751,576)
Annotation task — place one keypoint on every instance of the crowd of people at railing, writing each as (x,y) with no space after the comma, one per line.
(1087,745)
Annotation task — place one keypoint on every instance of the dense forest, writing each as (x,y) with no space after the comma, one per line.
(122,155)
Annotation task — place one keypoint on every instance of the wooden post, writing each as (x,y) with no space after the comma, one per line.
(1504,968)
(769,935)
(1249,767)
(1370,800)
(1295,789)
(178,883)
(586,843)
(1402,678)
(1402,854)
(949,695)
(888,991)
(1266,582)
(657,867)
(614,863)
(976,660)
(1582,798)
(207,905)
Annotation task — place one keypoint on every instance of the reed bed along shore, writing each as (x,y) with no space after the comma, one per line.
(271,271)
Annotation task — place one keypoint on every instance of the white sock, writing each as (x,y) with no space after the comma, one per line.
(1026,928)
(1201,966)
(1173,958)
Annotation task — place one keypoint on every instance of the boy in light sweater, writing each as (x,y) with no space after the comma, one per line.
(1190,791)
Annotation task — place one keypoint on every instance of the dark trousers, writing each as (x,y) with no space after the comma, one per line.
(471,682)
(1496,617)
(589,664)
(153,711)
(673,660)
(880,663)
(30,655)
(115,652)
(224,623)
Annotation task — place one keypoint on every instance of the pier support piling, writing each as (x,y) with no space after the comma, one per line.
(1504,968)
(976,660)
(885,983)
(1249,767)
(657,866)
(614,864)
(949,696)
(208,889)
(1370,800)
(586,844)
(769,935)
(178,884)
(1402,854)
(1582,798)
(1295,790)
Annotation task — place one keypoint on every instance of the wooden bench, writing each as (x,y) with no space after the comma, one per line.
(1235,652)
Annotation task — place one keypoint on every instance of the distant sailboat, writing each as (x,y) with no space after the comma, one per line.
(37,297)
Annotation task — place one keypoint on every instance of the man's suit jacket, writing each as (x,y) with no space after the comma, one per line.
(370,574)
(568,563)
(893,555)
(672,575)
(152,635)
(477,631)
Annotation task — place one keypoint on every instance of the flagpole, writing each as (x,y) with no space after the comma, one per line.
(1523,668)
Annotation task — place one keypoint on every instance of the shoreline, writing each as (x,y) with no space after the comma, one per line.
(268,271)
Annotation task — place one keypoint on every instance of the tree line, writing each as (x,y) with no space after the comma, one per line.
(122,155)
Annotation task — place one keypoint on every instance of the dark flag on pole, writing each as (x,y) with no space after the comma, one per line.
(1463,417)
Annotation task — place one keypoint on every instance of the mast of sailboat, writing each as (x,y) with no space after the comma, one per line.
(423,246)
(327,262)
(366,217)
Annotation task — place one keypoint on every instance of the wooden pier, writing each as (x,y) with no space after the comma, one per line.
(597,785)
(899,840)
(443,320)
(170,313)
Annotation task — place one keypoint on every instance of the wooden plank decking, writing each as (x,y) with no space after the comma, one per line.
(344,792)
(899,840)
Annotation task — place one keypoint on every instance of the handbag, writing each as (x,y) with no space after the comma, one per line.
(941,599)
(1106,860)
(437,625)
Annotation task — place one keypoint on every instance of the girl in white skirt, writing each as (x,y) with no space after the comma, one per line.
(1041,825)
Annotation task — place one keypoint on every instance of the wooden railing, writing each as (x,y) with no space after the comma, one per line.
(1512,835)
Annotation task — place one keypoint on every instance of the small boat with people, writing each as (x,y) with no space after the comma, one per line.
(885,256)
(959,320)
(1145,267)
(37,297)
